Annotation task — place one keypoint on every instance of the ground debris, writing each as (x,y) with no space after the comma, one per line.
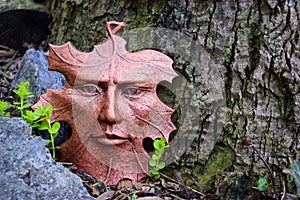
(146,190)
(9,62)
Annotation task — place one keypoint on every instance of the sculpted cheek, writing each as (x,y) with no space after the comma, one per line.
(140,114)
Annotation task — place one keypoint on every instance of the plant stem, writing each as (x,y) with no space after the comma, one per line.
(268,167)
(21,108)
(257,152)
(52,141)
(52,146)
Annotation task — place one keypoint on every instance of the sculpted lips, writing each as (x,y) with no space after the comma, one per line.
(113,136)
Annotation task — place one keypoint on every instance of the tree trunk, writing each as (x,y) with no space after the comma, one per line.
(255,47)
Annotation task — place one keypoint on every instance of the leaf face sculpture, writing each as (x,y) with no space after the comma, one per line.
(110,102)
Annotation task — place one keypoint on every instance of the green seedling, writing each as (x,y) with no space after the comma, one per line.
(159,149)
(40,119)
(3,107)
(262,184)
(133,196)
(23,94)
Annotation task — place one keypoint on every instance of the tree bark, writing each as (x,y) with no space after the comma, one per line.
(255,45)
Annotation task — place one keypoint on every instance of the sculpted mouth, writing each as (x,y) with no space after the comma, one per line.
(115,138)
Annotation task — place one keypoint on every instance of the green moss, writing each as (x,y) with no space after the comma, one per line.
(203,177)
(84,23)
(146,13)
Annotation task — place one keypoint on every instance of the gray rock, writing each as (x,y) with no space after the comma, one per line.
(34,69)
(27,170)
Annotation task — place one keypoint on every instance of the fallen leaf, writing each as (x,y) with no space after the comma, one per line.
(106,195)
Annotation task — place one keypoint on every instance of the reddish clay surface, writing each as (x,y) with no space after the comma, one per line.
(110,102)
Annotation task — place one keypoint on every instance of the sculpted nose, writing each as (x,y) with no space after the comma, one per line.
(109,113)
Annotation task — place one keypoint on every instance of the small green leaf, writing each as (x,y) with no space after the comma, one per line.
(40,110)
(155,157)
(152,163)
(44,125)
(26,105)
(162,142)
(22,90)
(4,106)
(55,134)
(28,113)
(150,173)
(29,95)
(24,84)
(153,172)
(35,125)
(156,176)
(55,128)
(159,153)
(49,109)
(161,165)
(31,115)
(133,197)
(156,145)
(48,142)
(159,143)
(16,92)
(262,184)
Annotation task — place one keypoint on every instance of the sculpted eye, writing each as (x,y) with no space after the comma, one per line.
(136,91)
(131,91)
(88,89)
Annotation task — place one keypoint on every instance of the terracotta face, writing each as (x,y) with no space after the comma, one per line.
(111,104)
